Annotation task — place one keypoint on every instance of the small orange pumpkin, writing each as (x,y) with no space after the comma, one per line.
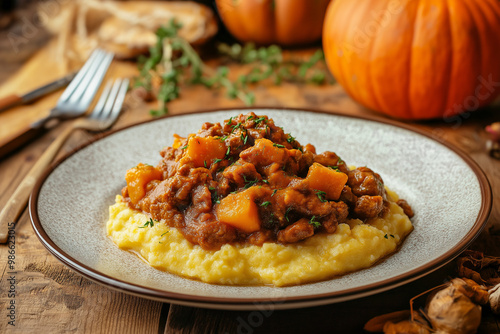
(415,59)
(284,22)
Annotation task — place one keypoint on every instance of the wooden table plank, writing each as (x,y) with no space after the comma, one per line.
(345,317)
(67,302)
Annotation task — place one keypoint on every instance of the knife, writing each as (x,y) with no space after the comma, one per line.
(14,99)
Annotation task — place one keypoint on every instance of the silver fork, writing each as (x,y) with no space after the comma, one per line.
(74,102)
(102,117)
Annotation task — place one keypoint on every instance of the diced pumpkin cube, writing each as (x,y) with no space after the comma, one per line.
(178,140)
(240,211)
(326,179)
(203,151)
(269,152)
(138,178)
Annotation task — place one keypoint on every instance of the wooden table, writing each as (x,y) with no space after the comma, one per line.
(50,298)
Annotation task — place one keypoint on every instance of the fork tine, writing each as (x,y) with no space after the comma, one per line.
(95,83)
(111,99)
(117,108)
(95,57)
(90,84)
(102,100)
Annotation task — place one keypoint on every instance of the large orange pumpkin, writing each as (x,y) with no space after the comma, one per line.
(415,59)
(284,22)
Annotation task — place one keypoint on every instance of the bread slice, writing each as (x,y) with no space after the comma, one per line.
(131,29)
(125,27)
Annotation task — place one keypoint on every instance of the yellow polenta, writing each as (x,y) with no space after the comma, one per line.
(352,247)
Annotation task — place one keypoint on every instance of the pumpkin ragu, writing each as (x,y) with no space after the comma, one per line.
(244,202)
(248,176)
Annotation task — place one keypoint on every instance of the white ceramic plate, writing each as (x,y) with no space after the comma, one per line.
(447,190)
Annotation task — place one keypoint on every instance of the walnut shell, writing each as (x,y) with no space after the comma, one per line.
(451,312)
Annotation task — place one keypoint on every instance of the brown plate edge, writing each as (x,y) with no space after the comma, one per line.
(285,302)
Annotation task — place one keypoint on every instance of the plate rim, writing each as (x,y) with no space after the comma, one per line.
(285,302)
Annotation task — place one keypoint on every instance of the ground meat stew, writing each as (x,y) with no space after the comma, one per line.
(247,181)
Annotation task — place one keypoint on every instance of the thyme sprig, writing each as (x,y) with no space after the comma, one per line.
(269,62)
(166,68)
(173,62)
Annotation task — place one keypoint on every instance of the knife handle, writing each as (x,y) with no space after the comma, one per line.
(19,139)
(10,101)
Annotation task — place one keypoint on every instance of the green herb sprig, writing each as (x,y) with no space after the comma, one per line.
(172,62)
(169,58)
(269,62)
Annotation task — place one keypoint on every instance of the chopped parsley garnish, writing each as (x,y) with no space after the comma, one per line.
(278,145)
(321,195)
(250,118)
(336,168)
(184,147)
(287,212)
(235,126)
(164,234)
(244,138)
(215,196)
(249,183)
(274,192)
(228,150)
(217,160)
(301,149)
(314,223)
(260,119)
(340,161)
(205,163)
(290,139)
(223,138)
(266,203)
(230,121)
(150,222)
